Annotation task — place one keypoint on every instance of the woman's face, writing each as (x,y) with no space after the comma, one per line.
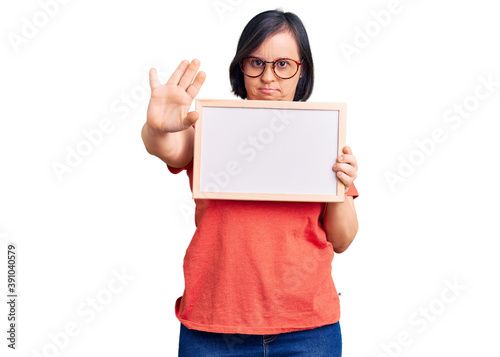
(268,86)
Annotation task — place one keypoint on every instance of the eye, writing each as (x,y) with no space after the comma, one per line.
(282,64)
(256,62)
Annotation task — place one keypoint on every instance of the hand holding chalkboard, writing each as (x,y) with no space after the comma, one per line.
(168,109)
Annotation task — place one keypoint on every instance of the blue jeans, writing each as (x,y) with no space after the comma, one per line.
(324,341)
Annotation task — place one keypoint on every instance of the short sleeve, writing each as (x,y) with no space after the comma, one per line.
(176,170)
(352,191)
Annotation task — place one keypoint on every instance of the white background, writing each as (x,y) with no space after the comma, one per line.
(120,208)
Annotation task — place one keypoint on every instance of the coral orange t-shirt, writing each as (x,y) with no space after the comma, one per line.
(257,267)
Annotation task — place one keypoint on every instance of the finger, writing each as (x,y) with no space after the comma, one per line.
(347,156)
(346,180)
(194,88)
(347,169)
(188,76)
(348,159)
(153,79)
(347,150)
(176,76)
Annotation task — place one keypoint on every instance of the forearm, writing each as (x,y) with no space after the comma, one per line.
(173,148)
(340,223)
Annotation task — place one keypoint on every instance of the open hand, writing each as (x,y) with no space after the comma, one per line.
(168,109)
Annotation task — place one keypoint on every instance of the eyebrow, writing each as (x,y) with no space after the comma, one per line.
(277,58)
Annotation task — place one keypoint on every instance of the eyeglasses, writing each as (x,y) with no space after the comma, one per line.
(284,68)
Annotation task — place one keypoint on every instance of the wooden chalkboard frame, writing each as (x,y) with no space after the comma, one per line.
(213,111)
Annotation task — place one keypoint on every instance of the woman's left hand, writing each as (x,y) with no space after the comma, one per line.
(346,167)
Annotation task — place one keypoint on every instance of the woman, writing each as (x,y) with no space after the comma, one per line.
(257,273)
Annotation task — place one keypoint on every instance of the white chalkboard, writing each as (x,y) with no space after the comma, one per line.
(268,150)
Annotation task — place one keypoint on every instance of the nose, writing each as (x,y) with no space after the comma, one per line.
(268,75)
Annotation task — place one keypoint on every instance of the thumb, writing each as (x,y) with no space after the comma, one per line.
(191,118)
(153,79)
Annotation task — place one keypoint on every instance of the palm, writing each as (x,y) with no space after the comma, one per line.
(168,109)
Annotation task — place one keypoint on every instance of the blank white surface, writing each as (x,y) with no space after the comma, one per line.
(292,156)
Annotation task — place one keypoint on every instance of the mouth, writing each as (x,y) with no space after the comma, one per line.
(268,90)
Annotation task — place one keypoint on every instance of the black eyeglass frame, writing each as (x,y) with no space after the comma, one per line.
(274,66)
